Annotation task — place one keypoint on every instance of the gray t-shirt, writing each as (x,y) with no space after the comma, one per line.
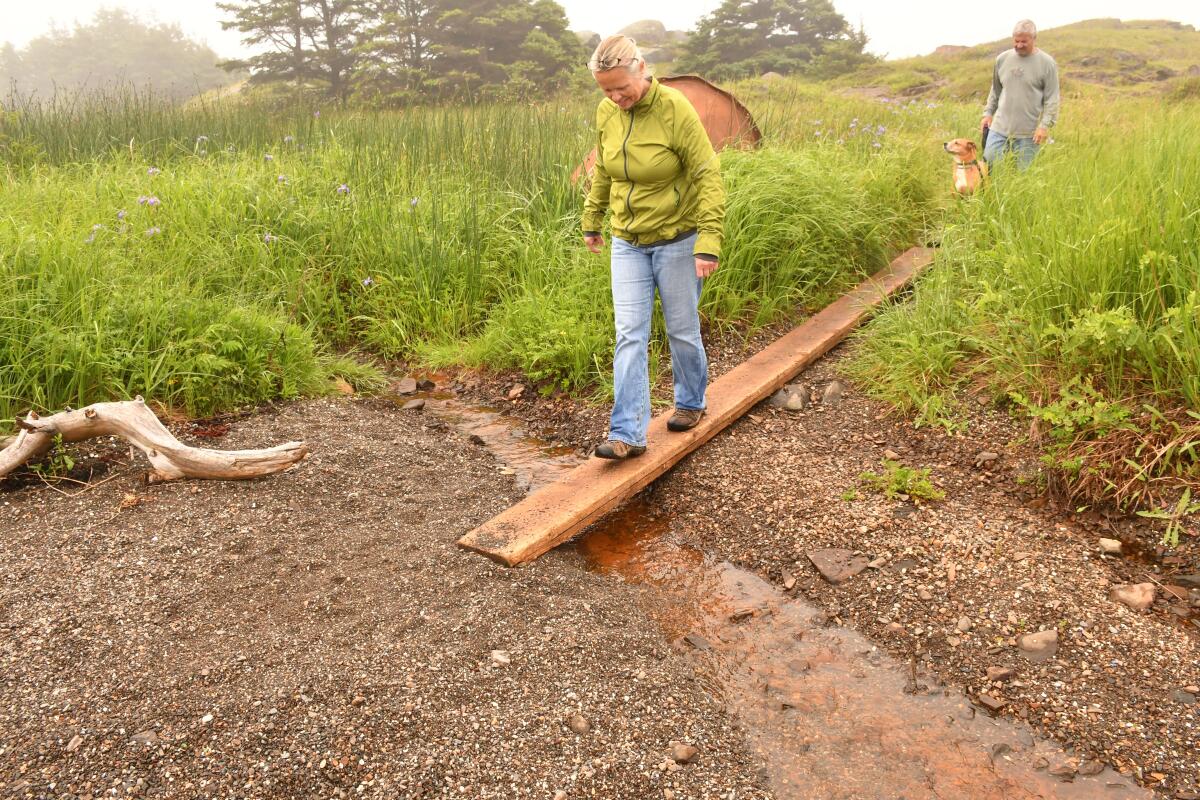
(1024,92)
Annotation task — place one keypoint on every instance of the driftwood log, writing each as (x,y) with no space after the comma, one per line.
(132,420)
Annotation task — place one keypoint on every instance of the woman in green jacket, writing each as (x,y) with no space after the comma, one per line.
(657,172)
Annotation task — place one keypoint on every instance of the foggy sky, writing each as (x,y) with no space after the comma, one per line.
(895,29)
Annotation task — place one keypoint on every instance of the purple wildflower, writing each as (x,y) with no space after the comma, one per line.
(268,238)
(268,157)
(368,282)
(149,200)
(317,114)
(343,189)
(153,231)
(153,171)
(90,239)
(281,179)
(121,214)
(289,139)
(201,139)
(876,145)
(413,203)
(97,226)
(881,130)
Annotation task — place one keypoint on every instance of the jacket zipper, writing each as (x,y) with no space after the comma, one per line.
(625,154)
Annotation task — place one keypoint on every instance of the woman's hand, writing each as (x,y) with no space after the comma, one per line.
(705,267)
(594,242)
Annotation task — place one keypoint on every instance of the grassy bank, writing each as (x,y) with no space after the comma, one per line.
(214,257)
(1071,294)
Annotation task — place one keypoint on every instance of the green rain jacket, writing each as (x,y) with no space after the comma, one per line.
(656,168)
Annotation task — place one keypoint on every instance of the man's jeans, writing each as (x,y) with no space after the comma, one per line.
(998,144)
(636,272)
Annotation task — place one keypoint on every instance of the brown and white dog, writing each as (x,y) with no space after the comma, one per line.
(969,171)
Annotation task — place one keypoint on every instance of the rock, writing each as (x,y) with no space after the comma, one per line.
(997,674)
(891,455)
(426,385)
(985,459)
(1040,646)
(1192,689)
(358,700)
(406,386)
(833,393)
(697,641)
(1063,768)
(516,391)
(895,628)
(999,749)
(579,725)
(878,563)
(1178,592)
(1187,581)
(476,439)
(683,753)
(207,718)
(923,593)
(144,737)
(992,704)
(501,658)
(964,624)
(837,564)
(794,397)
(789,580)
(1110,546)
(1186,698)
(560,795)
(413,405)
(343,387)
(1138,596)
(73,745)
(1091,767)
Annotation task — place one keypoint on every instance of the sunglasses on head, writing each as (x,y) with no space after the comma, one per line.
(601,64)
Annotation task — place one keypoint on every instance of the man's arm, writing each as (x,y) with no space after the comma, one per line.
(993,101)
(1050,98)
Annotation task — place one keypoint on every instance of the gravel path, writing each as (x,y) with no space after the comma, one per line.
(957,583)
(318,634)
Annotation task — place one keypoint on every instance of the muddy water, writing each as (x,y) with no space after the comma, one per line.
(830,715)
(532,462)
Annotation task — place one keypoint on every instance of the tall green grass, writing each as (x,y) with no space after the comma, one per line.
(277,240)
(1071,292)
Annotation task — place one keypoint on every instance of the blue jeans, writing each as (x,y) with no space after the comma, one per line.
(636,272)
(998,144)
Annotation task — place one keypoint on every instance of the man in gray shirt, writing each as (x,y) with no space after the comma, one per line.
(1023,104)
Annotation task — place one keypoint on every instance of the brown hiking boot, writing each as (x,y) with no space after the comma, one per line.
(684,419)
(619,450)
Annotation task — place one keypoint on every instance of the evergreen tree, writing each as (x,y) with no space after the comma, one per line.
(281,26)
(750,37)
(395,50)
(487,46)
(311,41)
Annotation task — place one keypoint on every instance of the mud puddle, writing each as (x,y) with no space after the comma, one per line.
(831,715)
(532,462)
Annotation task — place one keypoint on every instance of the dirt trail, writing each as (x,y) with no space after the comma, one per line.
(318,634)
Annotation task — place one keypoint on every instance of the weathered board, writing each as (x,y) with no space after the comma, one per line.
(555,513)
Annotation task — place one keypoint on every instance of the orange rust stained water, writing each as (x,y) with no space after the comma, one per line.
(831,716)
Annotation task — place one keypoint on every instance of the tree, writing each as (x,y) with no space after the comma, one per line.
(750,37)
(311,41)
(485,46)
(114,48)
(280,25)
(395,50)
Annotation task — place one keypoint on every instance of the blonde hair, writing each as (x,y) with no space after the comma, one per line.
(615,51)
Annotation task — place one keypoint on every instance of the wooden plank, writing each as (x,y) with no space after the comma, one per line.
(555,513)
